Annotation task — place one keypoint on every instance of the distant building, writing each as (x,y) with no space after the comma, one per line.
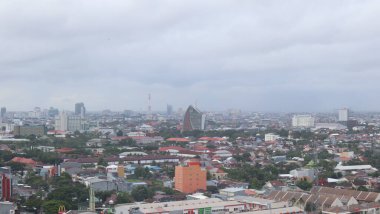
(304,173)
(61,121)
(3,111)
(303,121)
(169,109)
(271,137)
(343,115)
(64,122)
(27,130)
(80,109)
(190,177)
(194,119)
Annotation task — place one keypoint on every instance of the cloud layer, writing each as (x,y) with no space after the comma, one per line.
(253,55)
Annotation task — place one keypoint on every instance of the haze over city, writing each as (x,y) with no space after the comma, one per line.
(251,55)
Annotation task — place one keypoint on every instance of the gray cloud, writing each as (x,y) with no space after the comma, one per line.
(253,55)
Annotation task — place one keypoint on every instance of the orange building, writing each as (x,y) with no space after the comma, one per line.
(190,177)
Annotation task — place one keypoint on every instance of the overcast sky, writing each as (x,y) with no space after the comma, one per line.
(250,55)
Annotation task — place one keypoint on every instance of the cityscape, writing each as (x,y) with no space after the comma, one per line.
(189,107)
(188,160)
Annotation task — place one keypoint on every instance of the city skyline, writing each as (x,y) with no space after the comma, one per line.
(252,55)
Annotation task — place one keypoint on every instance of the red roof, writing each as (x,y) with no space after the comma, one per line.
(65,150)
(27,161)
(166,148)
(120,138)
(178,139)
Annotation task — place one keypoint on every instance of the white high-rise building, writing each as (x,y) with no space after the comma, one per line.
(306,121)
(343,115)
(61,121)
(64,122)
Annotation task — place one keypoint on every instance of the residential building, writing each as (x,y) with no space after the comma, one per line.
(190,177)
(271,137)
(304,173)
(194,119)
(61,121)
(27,130)
(303,121)
(343,115)
(5,184)
(65,122)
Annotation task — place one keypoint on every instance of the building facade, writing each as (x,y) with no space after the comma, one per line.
(194,119)
(65,122)
(29,130)
(305,121)
(190,177)
(343,115)
(5,186)
(80,110)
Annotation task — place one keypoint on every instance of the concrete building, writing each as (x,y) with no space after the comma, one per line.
(27,130)
(80,110)
(303,121)
(343,115)
(5,184)
(61,121)
(271,137)
(190,177)
(65,122)
(7,207)
(194,119)
(304,173)
(3,111)
(169,110)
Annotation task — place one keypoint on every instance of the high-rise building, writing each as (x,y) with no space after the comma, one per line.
(190,177)
(80,109)
(65,122)
(75,123)
(3,111)
(169,109)
(5,184)
(61,121)
(194,119)
(343,115)
(304,121)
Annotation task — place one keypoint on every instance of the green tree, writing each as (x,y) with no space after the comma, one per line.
(141,193)
(52,206)
(34,202)
(363,188)
(124,197)
(119,133)
(102,162)
(304,184)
